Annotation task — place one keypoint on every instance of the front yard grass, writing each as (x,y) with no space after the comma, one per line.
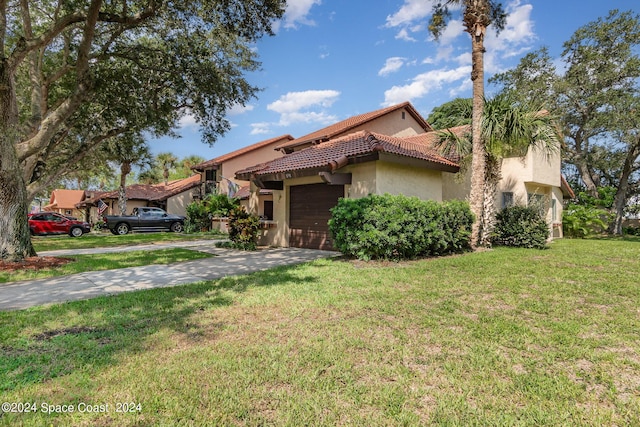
(105,261)
(501,337)
(106,239)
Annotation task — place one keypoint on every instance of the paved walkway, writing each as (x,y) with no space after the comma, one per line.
(226,262)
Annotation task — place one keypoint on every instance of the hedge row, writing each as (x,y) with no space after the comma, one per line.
(398,227)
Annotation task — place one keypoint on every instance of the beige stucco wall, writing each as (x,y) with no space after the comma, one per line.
(537,166)
(392,124)
(394,178)
(456,186)
(363,180)
(177,204)
(243,161)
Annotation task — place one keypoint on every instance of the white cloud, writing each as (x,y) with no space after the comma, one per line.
(424,83)
(411,11)
(403,34)
(298,13)
(392,65)
(295,101)
(307,117)
(305,107)
(238,109)
(260,128)
(517,35)
(187,121)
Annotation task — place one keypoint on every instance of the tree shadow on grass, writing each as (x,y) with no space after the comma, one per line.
(94,333)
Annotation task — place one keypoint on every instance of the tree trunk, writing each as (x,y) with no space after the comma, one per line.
(15,241)
(125,168)
(479,152)
(586,177)
(620,200)
(492,178)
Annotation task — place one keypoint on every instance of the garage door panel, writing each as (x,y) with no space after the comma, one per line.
(309,214)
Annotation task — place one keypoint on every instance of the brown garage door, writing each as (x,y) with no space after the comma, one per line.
(309,213)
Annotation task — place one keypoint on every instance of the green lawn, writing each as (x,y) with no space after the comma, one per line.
(102,239)
(500,337)
(106,261)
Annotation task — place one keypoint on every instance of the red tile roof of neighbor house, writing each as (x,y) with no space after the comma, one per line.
(210,163)
(432,139)
(64,199)
(150,192)
(336,153)
(346,125)
(245,192)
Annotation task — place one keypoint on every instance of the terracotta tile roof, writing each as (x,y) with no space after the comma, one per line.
(432,139)
(567,191)
(336,153)
(150,192)
(65,199)
(245,192)
(346,125)
(209,163)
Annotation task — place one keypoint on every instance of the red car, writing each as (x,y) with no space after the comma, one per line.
(55,223)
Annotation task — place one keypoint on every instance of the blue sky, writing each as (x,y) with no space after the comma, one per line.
(332,59)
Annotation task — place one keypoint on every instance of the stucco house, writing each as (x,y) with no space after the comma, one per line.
(391,150)
(219,175)
(64,202)
(172,197)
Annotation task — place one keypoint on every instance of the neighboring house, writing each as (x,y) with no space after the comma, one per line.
(172,197)
(64,202)
(218,175)
(398,120)
(358,156)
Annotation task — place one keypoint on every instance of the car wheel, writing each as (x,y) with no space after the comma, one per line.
(122,229)
(177,227)
(76,232)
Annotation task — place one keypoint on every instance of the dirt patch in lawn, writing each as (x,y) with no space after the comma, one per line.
(35,263)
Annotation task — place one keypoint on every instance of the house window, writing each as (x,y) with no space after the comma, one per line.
(268,209)
(554,210)
(68,212)
(403,115)
(210,175)
(507,199)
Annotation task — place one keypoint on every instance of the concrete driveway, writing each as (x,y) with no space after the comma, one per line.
(226,262)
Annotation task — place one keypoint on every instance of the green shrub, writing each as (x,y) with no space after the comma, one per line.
(580,221)
(399,227)
(521,226)
(243,229)
(631,231)
(200,212)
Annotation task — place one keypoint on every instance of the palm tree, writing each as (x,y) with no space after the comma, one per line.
(508,129)
(185,164)
(127,150)
(168,161)
(477,15)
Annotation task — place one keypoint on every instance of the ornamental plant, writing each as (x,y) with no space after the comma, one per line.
(200,212)
(521,226)
(398,227)
(243,229)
